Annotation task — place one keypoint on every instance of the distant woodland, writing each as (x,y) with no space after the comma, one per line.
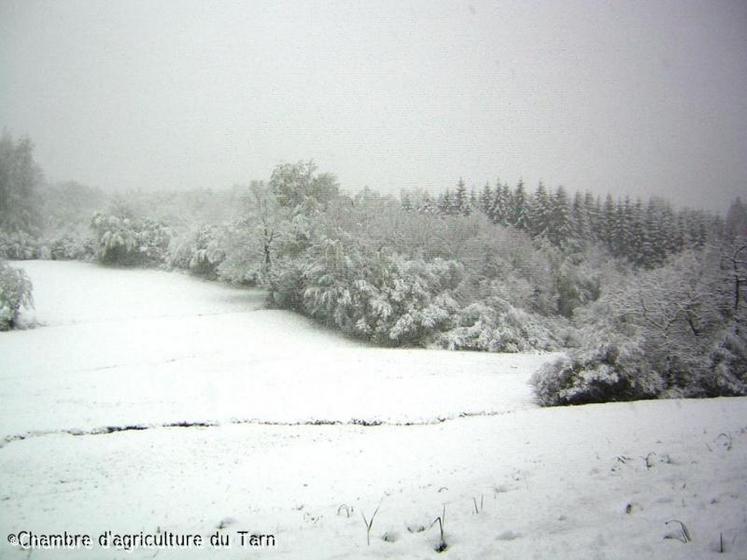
(645,298)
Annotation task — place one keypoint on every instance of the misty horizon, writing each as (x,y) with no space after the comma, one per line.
(526,339)
(638,100)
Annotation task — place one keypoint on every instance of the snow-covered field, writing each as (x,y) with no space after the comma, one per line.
(155,403)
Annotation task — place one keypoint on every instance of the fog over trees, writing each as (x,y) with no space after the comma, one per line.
(647,299)
(359,278)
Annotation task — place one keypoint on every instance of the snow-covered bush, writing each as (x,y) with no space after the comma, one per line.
(67,245)
(243,262)
(70,245)
(254,244)
(200,251)
(576,286)
(116,239)
(18,245)
(609,372)
(15,293)
(675,331)
(153,242)
(417,301)
(129,241)
(384,298)
(531,275)
(727,374)
(366,266)
(499,327)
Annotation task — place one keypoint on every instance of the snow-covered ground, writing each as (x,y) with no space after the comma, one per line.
(124,347)
(158,403)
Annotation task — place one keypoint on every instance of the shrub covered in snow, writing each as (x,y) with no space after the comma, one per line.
(18,245)
(499,327)
(384,298)
(68,245)
(200,251)
(63,245)
(253,243)
(243,262)
(609,372)
(675,331)
(727,374)
(129,241)
(366,267)
(15,293)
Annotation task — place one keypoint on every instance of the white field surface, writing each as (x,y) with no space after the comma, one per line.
(142,351)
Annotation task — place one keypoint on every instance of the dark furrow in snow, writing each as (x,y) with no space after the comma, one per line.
(103,430)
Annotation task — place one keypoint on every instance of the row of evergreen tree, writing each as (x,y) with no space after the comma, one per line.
(645,233)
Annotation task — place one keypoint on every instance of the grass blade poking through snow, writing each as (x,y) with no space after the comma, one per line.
(347,509)
(684,534)
(441,522)
(369,524)
(482,501)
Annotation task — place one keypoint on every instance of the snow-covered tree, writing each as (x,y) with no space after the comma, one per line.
(736,219)
(460,202)
(580,226)
(594,216)
(486,199)
(670,331)
(519,212)
(130,241)
(15,294)
(445,203)
(20,178)
(561,226)
(540,212)
(606,222)
(299,187)
(200,250)
(427,205)
(406,201)
(500,208)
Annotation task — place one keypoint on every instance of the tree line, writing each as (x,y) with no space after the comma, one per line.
(499,271)
(643,232)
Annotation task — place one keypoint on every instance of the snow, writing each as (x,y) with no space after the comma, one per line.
(145,349)
(126,347)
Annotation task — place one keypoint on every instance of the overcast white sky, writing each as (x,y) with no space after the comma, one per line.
(630,97)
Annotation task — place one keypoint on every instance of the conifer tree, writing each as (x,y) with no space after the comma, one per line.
(500,209)
(486,199)
(679,232)
(668,225)
(474,203)
(607,223)
(460,202)
(617,242)
(519,214)
(560,223)
(580,229)
(635,251)
(540,212)
(427,205)
(19,179)
(405,201)
(651,250)
(736,219)
(591,208)
(445,203)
